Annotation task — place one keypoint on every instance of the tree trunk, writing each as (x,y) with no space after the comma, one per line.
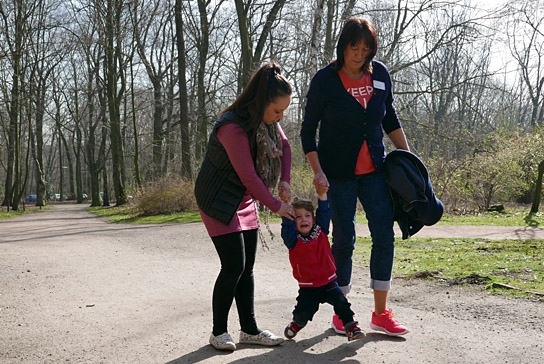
(538,189)
(69,166)
(245,43)
(328,48)
(158,135)
(114,95)
(250,60)
(10,187)
(38,161)
(60,188)
(12,193)
(38,157)
(203,49)
(135,133)
(186,167)
(313,62)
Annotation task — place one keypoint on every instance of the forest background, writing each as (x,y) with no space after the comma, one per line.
(111,98)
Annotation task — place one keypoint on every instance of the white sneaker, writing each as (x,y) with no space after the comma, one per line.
(222,342)
(264,338)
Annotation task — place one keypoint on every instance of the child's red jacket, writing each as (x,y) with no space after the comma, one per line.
(311,257)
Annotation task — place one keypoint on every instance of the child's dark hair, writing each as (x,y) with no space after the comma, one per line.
(303,204)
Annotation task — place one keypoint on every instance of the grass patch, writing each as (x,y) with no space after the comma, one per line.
(5,214)
(510,217)
(510,267)
(129,215)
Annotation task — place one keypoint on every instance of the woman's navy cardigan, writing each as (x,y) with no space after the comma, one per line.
(344,124)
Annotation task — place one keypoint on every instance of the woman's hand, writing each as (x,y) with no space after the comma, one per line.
(284,191)
(321,183)
(286,210)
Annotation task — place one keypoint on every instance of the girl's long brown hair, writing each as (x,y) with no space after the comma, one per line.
(264,86)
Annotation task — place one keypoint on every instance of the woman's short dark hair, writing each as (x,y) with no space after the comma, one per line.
(355,31)
(263,88)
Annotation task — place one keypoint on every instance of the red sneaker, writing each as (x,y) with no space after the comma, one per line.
(353,332)
(386,323)
(338,325)
(291,330)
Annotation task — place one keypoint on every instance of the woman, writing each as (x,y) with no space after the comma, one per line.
(247,153)
(351,101)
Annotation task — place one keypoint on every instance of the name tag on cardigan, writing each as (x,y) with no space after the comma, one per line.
(379,85)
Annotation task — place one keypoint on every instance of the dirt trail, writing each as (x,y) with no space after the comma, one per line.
(75,289)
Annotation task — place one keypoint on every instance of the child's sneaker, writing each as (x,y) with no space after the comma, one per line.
(338,325)
(291,330)
(353,332)
(386,323)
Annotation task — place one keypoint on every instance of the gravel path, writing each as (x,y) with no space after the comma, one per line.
(76,289)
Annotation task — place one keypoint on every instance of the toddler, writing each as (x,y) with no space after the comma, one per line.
(313,267)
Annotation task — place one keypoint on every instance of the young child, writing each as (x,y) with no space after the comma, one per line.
(313,267)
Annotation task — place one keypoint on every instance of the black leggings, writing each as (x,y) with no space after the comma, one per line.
(235,281)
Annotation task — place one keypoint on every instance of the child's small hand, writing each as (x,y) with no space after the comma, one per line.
(284,191)
(321,190)
(321,183)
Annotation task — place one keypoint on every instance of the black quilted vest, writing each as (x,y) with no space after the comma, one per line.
(218,189)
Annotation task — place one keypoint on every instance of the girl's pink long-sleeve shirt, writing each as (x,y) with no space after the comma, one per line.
(236,143)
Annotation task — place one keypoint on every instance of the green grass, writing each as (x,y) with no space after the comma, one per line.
(511,217)
(127,215)
(29,209)
(510,267)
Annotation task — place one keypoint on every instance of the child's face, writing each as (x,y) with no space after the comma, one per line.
(304,220)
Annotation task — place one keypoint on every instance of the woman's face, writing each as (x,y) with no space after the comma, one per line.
(356,56)
(273,112)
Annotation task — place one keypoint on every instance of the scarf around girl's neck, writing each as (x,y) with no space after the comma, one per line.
(269,151)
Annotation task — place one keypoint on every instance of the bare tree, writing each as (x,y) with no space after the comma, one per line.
(526,43)
(46,56)
(152,29)
(252,51)
(185,60)
(84,96)
(17,34)
(201,28)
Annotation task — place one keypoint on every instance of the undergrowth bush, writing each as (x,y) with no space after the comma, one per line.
(503,168)
(166,196)
(302,182)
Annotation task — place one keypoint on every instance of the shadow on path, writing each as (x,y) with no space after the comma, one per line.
(291,351)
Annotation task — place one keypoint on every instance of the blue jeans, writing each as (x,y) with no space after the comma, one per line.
(373,193)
